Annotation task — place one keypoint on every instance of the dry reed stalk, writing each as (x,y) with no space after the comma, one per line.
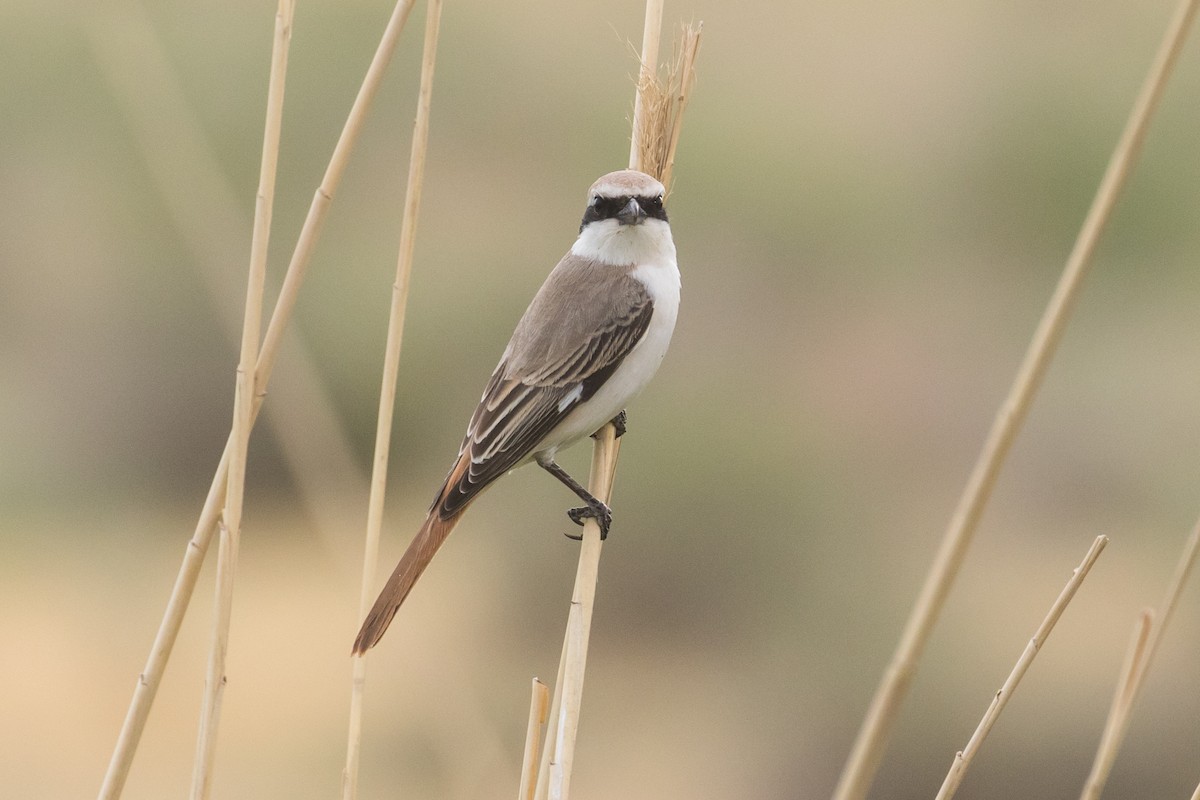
(962,760)
(231,515)
(214,678)
(1196,794)
(539,712)
(867,752)
(1148,634)
(204,207)
(647,72)
(387,391)
(1122,699)
(658,116)
(548,748)
(185,581)
(555,779)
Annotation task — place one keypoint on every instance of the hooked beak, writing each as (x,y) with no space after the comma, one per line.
(631,214)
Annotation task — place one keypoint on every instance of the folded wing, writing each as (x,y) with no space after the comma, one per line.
(526,398)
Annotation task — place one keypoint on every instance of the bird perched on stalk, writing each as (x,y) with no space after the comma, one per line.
(592,338)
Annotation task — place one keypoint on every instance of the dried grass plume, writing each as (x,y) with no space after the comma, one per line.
(663,101)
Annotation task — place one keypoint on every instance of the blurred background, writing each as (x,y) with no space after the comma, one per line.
(873,204)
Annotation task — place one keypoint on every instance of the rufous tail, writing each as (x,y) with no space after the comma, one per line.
(418,555)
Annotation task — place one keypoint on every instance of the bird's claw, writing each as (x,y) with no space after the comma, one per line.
(599,512)
(618,423)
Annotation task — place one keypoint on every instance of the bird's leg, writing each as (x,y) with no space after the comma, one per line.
(594,509)
(618,423)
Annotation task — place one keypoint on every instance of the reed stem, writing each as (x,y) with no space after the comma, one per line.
(387,391)
(189,571)
(656,122)
(579,621)
(539,712)
(1148,634)
(962,760)
(227,552)
(868,749)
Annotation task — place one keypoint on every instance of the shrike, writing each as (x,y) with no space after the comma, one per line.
(591,339)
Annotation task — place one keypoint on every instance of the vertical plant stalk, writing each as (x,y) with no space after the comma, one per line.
(658,113)
(651,36)
(243,405)
(1148,634)
(185,582)
(1122,700)
(962,760)
(387,391)
(549,752)
(559,761)
(539,712)
(868,749)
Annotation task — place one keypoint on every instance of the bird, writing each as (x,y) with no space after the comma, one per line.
(591,339)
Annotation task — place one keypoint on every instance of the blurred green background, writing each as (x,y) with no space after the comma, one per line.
(873,203)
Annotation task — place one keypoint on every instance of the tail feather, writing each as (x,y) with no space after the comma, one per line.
(418,555)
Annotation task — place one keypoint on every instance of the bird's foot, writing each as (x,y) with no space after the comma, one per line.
(618,423)
(599,512)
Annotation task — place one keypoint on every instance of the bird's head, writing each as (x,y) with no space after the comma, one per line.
(625,221)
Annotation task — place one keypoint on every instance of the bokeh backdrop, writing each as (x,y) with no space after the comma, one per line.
(873,203)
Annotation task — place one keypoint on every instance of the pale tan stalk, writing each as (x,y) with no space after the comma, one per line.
(1166,609)
(185,582)
(539,712)
(214,678)
(1196,794)
(548,747)
(579,620)
(243,404)
(554,776)
(1118,712)
(962,760)
(204,208)
(1151,627)
(651,36)
(651,127)
(387,391)
(869,746)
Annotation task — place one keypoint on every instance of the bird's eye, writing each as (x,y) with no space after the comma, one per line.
(657,202)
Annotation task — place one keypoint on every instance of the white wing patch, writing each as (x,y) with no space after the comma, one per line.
(570,397)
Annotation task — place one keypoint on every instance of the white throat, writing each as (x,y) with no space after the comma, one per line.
(611,243)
